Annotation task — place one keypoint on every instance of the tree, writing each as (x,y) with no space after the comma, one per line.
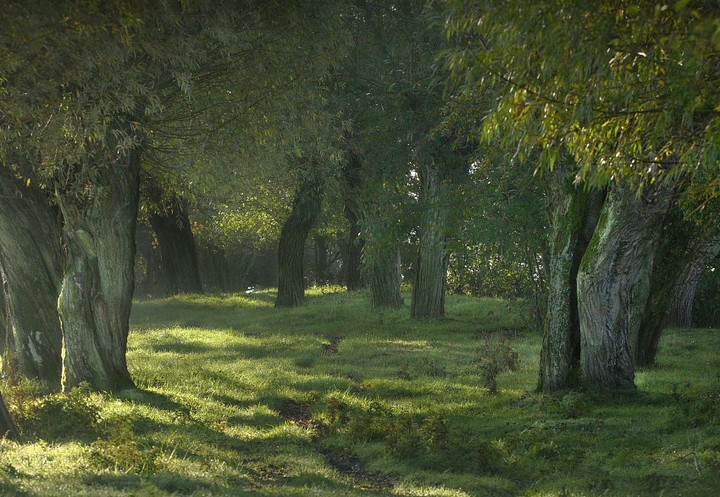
(574,216)
(628,92)
(705,249)
(391,71)
(116,86)
(30,258)
(305,211)
(169,219)
(352,185)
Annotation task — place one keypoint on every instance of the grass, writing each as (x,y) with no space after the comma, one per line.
(237,398)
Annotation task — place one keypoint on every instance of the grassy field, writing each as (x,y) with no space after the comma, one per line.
(237,398)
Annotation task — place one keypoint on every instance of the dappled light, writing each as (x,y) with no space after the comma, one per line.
(378,248)
(260,400)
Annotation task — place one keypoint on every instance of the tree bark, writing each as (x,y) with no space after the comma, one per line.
(30,257)
(614,284)
(293,236)
(574,214)
(96,294)
(428,299)
(178,252)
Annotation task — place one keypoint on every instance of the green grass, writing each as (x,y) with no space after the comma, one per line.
(239,398)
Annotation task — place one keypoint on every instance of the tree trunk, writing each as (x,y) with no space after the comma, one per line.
(683,254)
(381,263)
(384,274)
(97,287)
(6,341)
(352,187)
(178,252)
(428,300)
(614,284)
(352,260)
(321,260)
(294,233)
(30,257)
(7,425)
(704,252)
(574,215)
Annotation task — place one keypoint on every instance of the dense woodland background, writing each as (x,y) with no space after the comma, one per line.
(561,156)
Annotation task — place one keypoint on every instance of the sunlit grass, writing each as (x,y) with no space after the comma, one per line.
(239,398)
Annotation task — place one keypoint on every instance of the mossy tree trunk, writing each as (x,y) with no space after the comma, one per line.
(96,294)
(381,254)
(614,283)
(30,257)
(178,253)
(574,214)
(428,298)
(293,236)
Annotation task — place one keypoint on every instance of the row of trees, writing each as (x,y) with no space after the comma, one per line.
(94,97)
(567,146)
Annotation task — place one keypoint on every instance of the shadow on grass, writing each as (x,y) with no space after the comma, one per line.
(8,489)
(167,482)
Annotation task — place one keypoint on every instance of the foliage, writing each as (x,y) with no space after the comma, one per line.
(495,358)
(629,90)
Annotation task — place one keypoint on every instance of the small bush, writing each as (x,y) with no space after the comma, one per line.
(495,358)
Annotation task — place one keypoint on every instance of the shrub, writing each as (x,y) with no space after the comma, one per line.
(495,358)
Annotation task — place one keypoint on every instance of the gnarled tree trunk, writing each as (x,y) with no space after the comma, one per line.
(30,257)
(574,214)
(614,284)
(291,249)
(178,252)
(428,300)
(96,295)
